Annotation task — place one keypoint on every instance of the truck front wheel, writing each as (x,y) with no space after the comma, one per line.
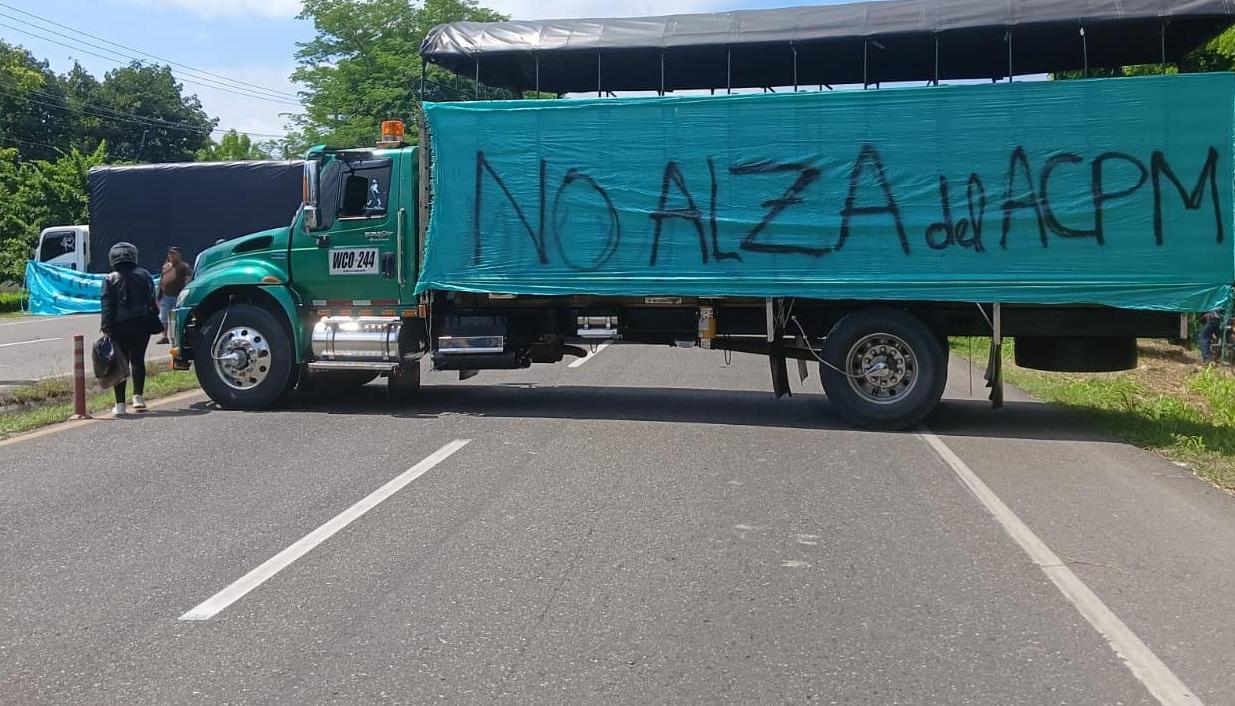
(243,357)
(885,369)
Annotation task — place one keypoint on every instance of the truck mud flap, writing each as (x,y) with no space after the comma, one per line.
(776,348)
(994,374)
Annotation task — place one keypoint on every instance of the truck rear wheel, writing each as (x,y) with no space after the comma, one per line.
(243,357)
(885,368)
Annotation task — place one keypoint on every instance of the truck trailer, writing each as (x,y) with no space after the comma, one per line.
(853,229)
(155,206)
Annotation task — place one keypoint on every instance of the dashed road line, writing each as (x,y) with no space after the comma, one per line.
(211,607)
(1136,655)
(42,320)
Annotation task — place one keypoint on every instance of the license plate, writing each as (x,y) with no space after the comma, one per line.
(353,261)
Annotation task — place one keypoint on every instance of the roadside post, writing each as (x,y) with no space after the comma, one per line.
(79,378)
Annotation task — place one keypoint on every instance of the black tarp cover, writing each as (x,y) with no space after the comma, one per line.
(155,206)
(889,40)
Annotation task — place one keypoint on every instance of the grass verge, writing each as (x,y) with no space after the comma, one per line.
(1170,404)
(51,402)
(11,304)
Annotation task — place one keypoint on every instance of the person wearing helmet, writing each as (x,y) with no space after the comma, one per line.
(128,312)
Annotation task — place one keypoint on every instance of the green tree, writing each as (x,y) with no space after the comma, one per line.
(37,195)
(142,114)
(14,224)
(34,117)
(1218,54)
(362,66)
(232,147)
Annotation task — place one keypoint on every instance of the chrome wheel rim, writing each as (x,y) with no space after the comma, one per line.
(882,368)
(242,357)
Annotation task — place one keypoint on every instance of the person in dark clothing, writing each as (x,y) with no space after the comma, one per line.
(1212,326)
(128,305)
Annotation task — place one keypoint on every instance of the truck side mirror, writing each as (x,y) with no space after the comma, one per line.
(330,187)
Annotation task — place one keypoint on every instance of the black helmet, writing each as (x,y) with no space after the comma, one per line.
(122,252)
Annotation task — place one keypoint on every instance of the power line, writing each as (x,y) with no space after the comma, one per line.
(125,62)
(123,114)
(8,138)
(45,20)
(104,112)
(138,120)
(126,59)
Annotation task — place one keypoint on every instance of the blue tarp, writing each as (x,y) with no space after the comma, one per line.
(1105,191)
(58,290)
(54,290)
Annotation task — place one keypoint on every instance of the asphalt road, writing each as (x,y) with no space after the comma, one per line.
(648,527)
(36,347)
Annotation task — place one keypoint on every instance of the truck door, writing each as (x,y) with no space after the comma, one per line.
(353,262)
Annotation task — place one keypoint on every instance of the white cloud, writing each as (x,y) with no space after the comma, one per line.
(268,9)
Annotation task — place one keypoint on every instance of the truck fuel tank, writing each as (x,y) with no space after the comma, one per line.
(367,338)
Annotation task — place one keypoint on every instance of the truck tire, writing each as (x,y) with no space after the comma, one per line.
(243,356)
(895,368)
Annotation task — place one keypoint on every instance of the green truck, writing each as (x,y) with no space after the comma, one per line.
(853,229)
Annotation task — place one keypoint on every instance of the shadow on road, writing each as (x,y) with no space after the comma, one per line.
(1017,420)
(954,417)
(698,406)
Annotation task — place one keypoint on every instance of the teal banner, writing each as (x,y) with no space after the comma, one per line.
(59,290)
(1106,191)
(54,290)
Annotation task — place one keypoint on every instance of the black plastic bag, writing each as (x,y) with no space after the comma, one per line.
(110,365)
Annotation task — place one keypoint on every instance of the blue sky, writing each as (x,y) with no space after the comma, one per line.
(247,40)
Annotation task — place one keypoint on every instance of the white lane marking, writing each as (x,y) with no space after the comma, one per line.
(1136,655)
(210,607)
(26,343)
(590,356)
(42,320)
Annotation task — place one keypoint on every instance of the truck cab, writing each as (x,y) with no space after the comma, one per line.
(64,246)
(322,301)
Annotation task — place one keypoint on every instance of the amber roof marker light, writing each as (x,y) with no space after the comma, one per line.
(392,133)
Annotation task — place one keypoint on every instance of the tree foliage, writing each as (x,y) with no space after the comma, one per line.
(232,147)
(34,119)
(141,112)
(1216,55)
(40,194)
(363,66)
(54,128)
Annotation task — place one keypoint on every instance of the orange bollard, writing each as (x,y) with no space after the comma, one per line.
(79,378)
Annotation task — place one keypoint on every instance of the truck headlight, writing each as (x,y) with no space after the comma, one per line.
(184,293)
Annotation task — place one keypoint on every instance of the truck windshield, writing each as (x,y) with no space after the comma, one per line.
(57,243)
